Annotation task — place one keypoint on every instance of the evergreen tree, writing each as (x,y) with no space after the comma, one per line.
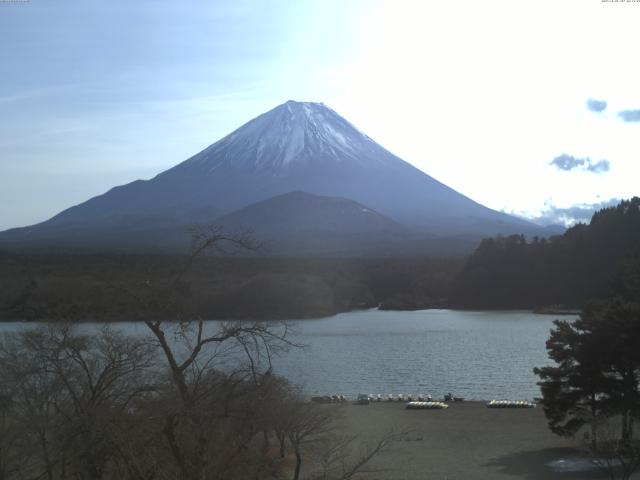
(597,372)
(568,270)
(573,390)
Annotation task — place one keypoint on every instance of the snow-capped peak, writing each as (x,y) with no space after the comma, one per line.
(291,135)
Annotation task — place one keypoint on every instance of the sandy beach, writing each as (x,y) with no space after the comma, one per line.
(466,441)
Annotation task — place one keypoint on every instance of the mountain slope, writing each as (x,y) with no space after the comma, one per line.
(294,147)
(297,212)
(302,224)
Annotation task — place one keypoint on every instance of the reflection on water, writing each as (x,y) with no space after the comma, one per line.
(476,355)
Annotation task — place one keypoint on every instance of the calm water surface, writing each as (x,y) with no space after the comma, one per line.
(476,355)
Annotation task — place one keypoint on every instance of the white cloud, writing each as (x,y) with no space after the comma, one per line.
(568,216)
(569,163)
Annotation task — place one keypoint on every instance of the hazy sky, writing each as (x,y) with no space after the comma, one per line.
(526,106)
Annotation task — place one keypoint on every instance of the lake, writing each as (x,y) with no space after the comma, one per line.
(476,355)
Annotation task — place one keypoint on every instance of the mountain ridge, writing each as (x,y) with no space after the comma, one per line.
(302,211)
(290,133)
(297,146)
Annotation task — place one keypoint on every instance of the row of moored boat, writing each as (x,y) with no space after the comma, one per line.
(400,398)
(510,404)
(426,405)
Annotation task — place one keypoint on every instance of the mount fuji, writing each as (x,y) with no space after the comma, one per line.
(296,147)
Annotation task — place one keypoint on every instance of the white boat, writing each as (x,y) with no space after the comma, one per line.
(427,405)
(510,404)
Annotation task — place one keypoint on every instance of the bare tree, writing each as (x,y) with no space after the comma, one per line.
(216,376)
(339,461)
(314,431)
(69,396)
(212,369)
(9,434)
(194,400)
(617,456)
(308,424)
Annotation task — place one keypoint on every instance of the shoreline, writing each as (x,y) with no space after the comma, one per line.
(310,317)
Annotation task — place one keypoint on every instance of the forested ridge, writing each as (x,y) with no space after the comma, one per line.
(562,271)
(104,287)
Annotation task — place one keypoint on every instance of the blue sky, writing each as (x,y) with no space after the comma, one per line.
(528,107)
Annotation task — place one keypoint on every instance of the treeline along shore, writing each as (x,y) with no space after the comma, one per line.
(562,272)
(554,274)
(114,287)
